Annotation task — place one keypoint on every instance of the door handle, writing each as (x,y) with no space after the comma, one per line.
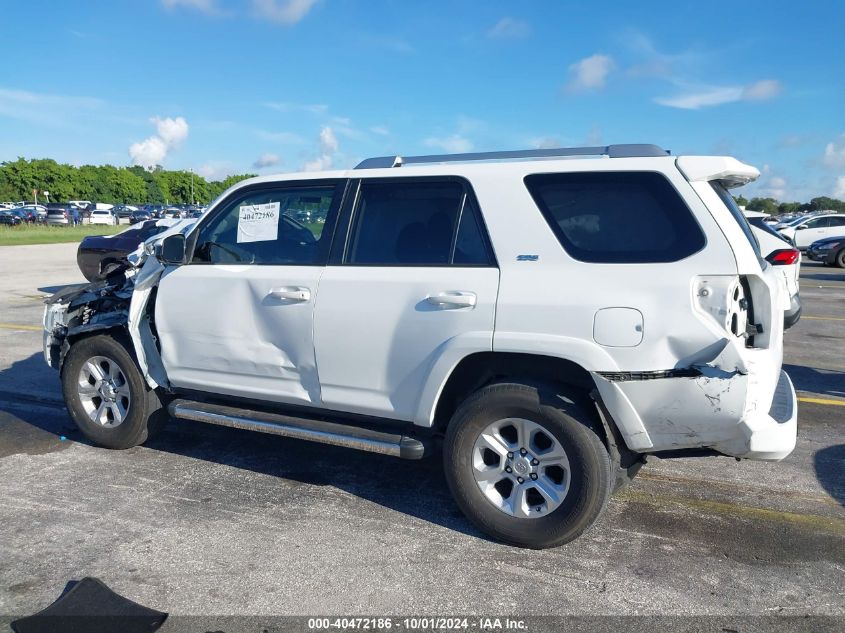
(453,298)
(291,293)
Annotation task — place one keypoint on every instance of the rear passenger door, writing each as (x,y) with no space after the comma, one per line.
(414,274)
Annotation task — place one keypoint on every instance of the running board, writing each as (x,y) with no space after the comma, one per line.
(299,428)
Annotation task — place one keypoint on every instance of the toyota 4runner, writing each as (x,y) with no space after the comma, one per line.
(551,317)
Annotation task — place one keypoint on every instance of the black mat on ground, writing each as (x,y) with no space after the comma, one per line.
(89,606)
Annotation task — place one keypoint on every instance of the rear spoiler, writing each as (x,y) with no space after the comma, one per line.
(728,171)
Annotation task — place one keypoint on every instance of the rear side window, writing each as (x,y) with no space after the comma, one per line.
(617,217)
(416,223)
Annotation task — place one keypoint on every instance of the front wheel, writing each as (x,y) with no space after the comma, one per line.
(107,396)
(525,466)
(840,258)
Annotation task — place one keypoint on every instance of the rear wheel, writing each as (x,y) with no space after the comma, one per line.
(525,466)
(107,396)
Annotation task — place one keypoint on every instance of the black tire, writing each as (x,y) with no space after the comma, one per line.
(590,477)
(840,258)
(144,416)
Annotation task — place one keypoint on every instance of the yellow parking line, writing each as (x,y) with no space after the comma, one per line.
(826,401)
(15,326)
(822,318)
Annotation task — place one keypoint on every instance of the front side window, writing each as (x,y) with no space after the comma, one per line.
(818,223)
(617,217)
(416,223)
(280,226)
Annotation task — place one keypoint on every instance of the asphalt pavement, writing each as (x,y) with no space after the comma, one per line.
(213,521)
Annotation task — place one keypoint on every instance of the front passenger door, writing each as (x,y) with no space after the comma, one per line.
(810,231)
(237,318)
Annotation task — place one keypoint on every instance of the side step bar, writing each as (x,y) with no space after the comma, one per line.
(299,428)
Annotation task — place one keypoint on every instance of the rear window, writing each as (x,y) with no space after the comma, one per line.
(617,217)
(761,224)
(733,207)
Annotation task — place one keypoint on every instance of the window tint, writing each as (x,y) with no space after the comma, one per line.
(405,223)
(471,248)
(270,226)
(818,223)
(765,226)
(836,221)
(738,215)
(617,217)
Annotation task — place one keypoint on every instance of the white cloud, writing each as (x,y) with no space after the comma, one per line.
(509,27)
(172,131)
(834,153)
(280,137)
(286,106)
(703,97)
(170,134)
(282,11)
(762,90)
(205,6)
(268,159)
(774,187)
(381,130)
(454,144)
(149,152)
(545,142)
(320,163)
(839,191)
(44,108)
(590,73)
(328,141)
(328,148)
(216,170)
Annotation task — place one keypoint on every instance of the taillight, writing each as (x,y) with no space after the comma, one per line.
(783,256)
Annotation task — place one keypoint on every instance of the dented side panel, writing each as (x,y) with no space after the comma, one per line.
(223,329)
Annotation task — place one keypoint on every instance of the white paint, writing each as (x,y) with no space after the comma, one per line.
(371,340)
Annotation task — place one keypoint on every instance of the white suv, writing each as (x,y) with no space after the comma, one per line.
(812,229)
(553,316)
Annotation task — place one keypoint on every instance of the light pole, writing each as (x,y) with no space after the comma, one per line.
(192,186)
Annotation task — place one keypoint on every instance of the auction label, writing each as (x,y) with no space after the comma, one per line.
(258,222)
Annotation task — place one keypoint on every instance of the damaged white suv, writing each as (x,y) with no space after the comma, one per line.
(553,316)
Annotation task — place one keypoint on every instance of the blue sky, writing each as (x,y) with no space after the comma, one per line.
(228,86)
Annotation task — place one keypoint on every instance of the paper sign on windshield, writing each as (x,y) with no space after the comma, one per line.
(258,222)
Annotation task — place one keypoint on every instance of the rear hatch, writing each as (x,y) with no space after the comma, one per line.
(758,300)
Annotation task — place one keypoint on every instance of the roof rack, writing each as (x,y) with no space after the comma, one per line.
(630,150)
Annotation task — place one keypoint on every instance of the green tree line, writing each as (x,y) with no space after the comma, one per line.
(775,207)
(106,183)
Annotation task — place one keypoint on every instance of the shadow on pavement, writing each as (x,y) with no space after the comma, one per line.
(828,382)
(417,488)
(830,471)
(825,277)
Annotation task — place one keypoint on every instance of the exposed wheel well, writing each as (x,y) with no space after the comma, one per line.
(480,369)
(477,370)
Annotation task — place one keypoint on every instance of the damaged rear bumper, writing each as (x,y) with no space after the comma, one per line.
(771,435)
(726,411)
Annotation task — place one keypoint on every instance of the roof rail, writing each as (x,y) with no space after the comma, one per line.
(611,151)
